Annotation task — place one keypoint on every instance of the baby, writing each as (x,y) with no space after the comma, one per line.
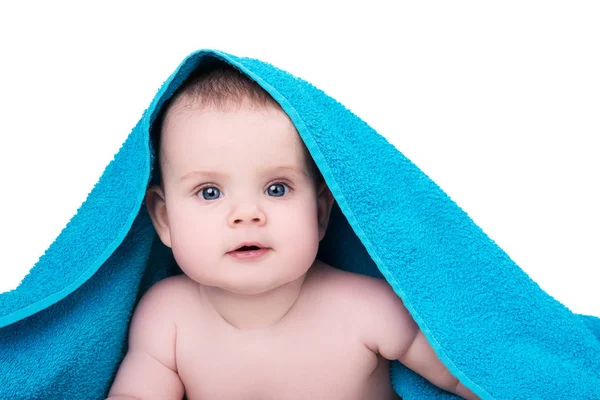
(256,316)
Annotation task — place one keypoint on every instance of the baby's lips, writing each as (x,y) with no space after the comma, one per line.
(248,244)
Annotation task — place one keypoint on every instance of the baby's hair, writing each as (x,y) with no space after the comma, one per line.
(221,86)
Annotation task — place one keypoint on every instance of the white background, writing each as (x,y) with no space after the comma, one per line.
(498,103)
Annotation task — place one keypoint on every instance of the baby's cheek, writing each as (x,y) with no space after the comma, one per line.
(195,250)
(196,267)
(301,234)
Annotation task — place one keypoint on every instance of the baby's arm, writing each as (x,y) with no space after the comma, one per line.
(395,335)
(149,370)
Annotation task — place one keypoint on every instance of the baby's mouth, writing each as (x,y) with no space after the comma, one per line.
(248,253)
(248,248)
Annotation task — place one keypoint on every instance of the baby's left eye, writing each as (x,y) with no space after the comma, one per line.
(277,190)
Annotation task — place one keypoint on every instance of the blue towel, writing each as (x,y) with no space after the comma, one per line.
(63,330)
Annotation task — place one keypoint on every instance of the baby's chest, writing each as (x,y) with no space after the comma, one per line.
(299,365)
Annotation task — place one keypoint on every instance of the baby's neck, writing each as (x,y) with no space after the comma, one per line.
(259,311)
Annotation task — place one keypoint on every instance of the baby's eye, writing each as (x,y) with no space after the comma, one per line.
(277,190)
(210,193)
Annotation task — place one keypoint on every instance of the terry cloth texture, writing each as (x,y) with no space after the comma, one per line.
(63,330)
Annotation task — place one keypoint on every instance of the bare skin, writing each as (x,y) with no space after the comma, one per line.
(215,360)
(325,347)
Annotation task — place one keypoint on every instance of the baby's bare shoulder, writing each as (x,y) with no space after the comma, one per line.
(168,295)
(356,287)
(371,303)
(169,286)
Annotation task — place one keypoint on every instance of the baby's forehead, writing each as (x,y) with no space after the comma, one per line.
(279,135)
(232,120)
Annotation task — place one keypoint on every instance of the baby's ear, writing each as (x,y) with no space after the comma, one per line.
(157,208)
(325,201)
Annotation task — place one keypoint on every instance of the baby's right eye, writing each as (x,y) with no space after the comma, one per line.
(210,193)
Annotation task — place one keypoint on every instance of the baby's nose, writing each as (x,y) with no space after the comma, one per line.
(247,213)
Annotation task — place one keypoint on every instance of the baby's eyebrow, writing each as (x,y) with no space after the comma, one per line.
(222,175)
(285,168)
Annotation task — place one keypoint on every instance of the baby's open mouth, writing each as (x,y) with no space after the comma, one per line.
(248,248)
(248,252)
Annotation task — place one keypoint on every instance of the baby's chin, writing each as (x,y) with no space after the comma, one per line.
(255,285)
(248,282)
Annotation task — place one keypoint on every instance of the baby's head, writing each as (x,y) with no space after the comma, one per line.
(234,170)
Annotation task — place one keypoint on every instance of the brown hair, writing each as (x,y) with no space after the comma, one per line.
(221,86)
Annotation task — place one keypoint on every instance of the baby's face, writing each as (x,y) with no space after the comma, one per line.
(238,176)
